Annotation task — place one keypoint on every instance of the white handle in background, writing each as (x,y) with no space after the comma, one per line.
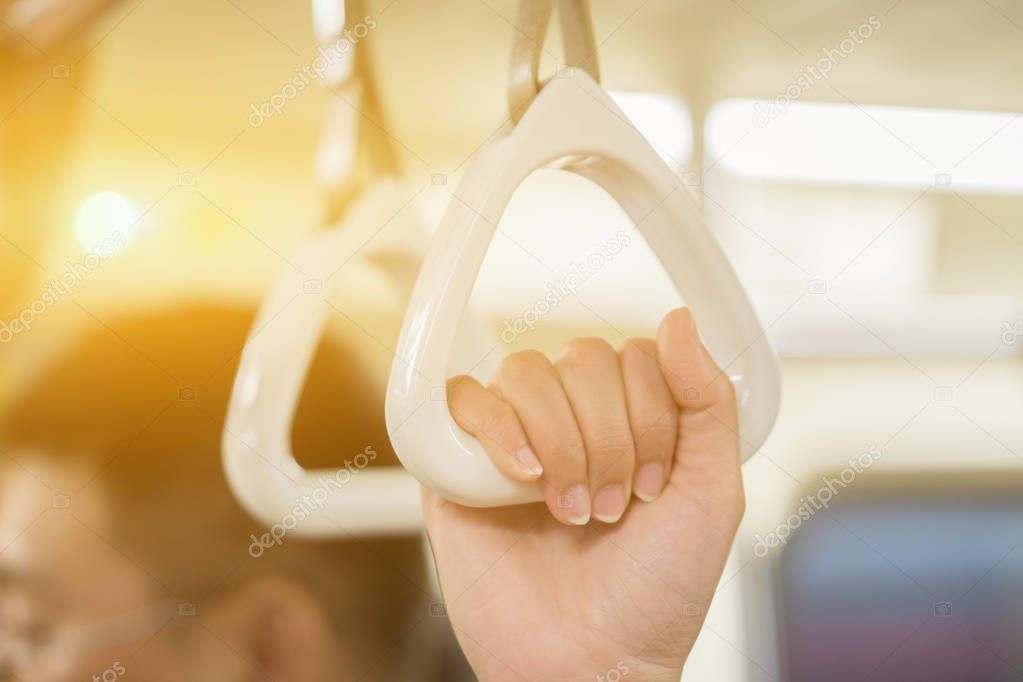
(258,461)
(571,117)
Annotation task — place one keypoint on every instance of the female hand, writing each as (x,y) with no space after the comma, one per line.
(593,585)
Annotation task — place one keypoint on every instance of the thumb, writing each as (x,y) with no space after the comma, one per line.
(708,418)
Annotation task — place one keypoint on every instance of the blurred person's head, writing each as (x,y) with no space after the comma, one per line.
(122,551)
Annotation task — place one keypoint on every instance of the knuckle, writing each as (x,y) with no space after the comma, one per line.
(613,465)
(724,502)
(639,347)
(522,364)
(656,427)
(611,469)
(500,424)
(612,443)
(570,448)
(587,351)
(658,417)
(721,389)
(458,384)
(732,499)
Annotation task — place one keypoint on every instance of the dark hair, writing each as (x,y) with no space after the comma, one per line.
(139,405)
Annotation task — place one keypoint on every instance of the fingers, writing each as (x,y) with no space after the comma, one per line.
(592,380)
(527,381)
(653,416)
(708,417)
(597,426)
(495,425)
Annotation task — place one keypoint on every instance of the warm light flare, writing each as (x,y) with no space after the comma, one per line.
(102,216)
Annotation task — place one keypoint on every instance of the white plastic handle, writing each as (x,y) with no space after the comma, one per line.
(570,117)
(258,462)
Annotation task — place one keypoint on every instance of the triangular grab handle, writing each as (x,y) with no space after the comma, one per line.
(571,117)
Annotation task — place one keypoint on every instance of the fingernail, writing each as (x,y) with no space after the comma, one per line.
(649,481)
(530,464)
(575,505)
(609,504)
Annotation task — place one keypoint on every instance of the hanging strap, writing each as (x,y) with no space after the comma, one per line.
(577,35)
(328,20)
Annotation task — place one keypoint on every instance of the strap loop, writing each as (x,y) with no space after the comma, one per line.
(579,43)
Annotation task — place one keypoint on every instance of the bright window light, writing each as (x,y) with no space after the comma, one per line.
(951,150)
(102,216)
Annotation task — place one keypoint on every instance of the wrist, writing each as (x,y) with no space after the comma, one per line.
(626,671)
(643,671)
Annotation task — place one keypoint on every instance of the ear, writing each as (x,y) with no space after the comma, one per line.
(278,631)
